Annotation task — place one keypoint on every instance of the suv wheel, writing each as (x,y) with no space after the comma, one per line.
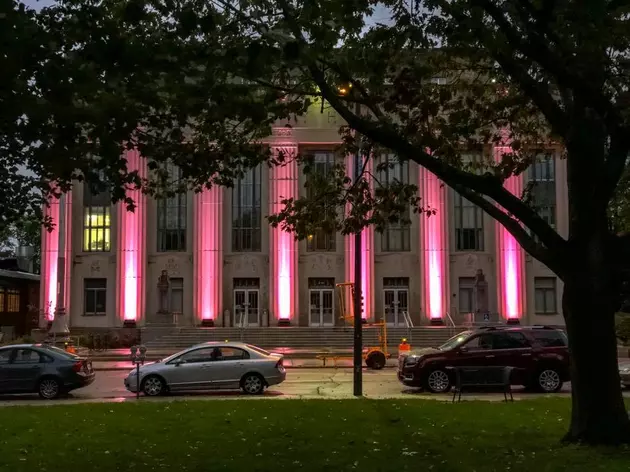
(438,381)
(548,380)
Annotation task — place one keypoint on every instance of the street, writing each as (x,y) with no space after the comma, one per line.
(322,383)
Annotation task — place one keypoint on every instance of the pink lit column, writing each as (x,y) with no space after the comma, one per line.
(208,257)
(434,248)
(131,250)
(50,264)
(283,246)
(367,255)
(510,258)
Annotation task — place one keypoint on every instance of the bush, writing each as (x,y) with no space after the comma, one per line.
(623,330)
(22,340)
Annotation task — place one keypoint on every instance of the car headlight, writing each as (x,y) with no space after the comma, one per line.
(133,372)
(412,360)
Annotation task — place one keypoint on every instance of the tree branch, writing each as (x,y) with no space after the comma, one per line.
(529,244)
(540,52)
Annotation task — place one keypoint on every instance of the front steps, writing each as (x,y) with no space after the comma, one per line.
(167,338)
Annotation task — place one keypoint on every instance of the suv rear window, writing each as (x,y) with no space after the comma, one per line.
(550,337)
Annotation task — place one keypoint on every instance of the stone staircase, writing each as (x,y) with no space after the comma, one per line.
(303,338)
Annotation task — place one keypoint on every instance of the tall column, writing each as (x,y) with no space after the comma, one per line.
(283,248)
(131,249)
(56,265)
(50,264)
(367,253)
(510,256)
(208,256)
(434,247)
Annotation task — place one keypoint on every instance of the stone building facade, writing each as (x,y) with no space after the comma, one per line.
(212,258)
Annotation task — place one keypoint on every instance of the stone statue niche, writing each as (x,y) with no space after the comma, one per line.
(163,286)
(481,293)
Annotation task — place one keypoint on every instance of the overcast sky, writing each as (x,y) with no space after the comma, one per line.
(380,14)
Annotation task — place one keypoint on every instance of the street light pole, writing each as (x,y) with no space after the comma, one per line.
(358,326)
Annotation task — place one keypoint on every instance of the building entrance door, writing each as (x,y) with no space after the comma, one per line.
(395,304)
(246,308)
(322,310)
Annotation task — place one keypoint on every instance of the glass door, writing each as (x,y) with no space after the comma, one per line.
(396,302)
(246,309)
(322,310)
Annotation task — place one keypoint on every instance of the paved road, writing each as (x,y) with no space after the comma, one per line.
(300,383)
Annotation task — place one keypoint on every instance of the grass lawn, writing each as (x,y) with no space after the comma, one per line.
(312,435)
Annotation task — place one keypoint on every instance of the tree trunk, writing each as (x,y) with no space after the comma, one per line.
(598,412)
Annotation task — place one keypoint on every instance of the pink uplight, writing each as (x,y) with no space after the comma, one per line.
(434,245)
(50,261)
(284,185)
(131,242)
(511,258)
(208,254)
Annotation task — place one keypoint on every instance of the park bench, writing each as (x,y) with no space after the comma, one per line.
(479,377)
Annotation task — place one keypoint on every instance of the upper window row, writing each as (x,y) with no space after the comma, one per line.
(247,219)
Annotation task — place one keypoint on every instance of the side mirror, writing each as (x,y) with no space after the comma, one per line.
(463,350)
(180,362)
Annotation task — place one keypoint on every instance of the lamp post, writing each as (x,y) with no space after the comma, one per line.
(358,325)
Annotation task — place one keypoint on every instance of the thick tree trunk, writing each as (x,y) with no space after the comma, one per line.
(598,415)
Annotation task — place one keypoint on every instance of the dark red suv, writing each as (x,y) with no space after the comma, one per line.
(539,355)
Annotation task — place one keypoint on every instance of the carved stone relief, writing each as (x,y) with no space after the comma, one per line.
(171,266)
(95,267)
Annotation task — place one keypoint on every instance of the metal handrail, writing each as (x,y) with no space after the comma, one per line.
(448,315)
(407,318)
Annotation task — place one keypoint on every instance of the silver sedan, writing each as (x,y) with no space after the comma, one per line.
(210,366)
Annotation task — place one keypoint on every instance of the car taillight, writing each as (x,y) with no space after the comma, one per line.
(280,364)
(77,366)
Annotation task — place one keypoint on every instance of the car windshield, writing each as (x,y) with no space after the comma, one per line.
(58,351)
(258,350)
(455,341)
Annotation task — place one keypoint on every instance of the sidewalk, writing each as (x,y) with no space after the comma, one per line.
(288,363)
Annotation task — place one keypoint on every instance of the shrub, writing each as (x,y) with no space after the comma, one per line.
(623,330)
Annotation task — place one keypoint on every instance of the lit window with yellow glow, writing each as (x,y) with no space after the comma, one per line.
(97,229)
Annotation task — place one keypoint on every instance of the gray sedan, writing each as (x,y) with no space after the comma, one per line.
(43,369)
(210,366)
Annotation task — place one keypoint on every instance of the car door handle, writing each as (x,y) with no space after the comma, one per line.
(490,356)
(526,355)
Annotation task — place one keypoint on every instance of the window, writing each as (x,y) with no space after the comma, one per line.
(397,236)
(5,356)
(466,294)
(9,300)
(97,229)
(177,295)
(545,295)
(512,340)
(468,225)
(550,337)
(96,219)
(246,215)
(322,241)
(205,354)
(480,343)
(26,356)
(508,340)
(172,214)
(542,185)
(94,297)
(233,354)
